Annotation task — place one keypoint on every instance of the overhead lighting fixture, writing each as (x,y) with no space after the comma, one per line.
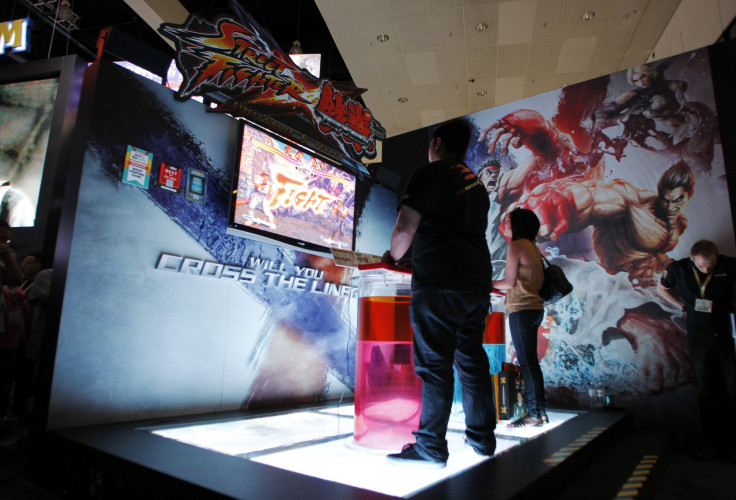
(296,48)
(58,12)
(382,38)
(65,11)
(588,15)
(403,99)
(309,62)
(481,93)
(481,27)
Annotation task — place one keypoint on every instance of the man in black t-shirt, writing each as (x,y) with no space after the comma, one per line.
(705,282)
(443,217)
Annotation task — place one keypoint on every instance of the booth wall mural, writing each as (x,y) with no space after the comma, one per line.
(623,172)
(164,312)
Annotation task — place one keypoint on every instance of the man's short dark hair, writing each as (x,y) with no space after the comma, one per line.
(40,258)
(704,248)
(524,224)
(4,224)
(455,136)
(678,175)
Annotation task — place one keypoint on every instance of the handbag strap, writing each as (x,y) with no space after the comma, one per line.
(542,255)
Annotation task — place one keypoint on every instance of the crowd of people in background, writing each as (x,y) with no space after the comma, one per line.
(25,290)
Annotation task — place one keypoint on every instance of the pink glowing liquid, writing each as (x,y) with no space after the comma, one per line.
(388,395)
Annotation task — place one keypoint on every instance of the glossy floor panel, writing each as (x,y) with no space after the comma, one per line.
(319,443)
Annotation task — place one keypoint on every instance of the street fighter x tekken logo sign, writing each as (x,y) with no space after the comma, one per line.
(240,62)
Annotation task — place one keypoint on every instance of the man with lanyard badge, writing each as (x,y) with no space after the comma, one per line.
(705,282)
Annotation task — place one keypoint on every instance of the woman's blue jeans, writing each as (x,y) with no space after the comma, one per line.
(524,325)
(448,328)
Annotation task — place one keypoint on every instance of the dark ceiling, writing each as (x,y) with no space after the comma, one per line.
(286,20)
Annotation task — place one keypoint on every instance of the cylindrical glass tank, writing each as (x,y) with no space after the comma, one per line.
(388,394)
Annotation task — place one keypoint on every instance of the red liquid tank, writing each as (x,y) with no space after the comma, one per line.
(388,394)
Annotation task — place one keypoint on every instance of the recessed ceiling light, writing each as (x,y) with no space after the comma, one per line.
(382,38)
(403,99)
(588,15)
(481,93)
(481,27)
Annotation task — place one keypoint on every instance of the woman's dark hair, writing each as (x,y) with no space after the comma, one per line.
(524,224)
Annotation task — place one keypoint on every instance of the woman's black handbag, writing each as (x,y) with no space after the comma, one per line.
(555,285)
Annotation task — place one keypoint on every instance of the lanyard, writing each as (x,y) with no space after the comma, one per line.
(702,285)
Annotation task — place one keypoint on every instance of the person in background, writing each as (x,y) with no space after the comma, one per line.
(523,280)
(30,266)
(443,217)
(705,282)
(11,317)
(35,285)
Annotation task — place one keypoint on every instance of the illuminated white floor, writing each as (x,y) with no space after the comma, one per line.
(319,443)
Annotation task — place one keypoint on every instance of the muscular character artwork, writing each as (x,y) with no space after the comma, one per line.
(610,168)
(633,228)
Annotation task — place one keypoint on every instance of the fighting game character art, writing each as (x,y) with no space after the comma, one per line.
(633,228)
(261,198)
(339,214)
(657,116)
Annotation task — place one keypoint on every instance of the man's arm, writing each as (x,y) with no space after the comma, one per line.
(667,294)
(402,235)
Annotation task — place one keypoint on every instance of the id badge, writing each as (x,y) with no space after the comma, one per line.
(704,305)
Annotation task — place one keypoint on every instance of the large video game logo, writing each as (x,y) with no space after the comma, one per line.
(244,63)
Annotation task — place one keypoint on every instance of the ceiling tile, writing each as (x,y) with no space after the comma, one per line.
(452,66)
(451,113)
(441,95)
(422,68)
(368,30)
(367,76)
(447,29)
(565,79)
(622,18)
(432,116)
(575,54)
(550,20)
(443,4)
(408,120)
(512,60)
(509,89)
(543,57)
(414,33)
(651,27)
(539,84)
(482,93)
(516,22)
(371,8)
(697,19)
(482,62)
(577,26)
(476,14)
(400,7)
(607,54)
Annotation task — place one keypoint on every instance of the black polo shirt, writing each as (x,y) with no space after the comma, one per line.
(719,289)
(449,249)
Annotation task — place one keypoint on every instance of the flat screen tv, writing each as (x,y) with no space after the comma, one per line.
(26,110)
(287,195)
